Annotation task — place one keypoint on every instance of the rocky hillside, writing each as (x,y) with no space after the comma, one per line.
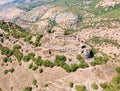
(60,45)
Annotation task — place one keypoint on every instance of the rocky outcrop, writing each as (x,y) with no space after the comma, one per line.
(41,27)
(108,3)
(86,52)
(67,20)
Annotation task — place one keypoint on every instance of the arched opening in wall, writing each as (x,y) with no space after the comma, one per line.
(91,54)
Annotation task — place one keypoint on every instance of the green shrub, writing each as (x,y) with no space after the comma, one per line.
(26,58)
(70,84)
(6,51)
(59,63)
(94,86)
(80,88)
(30,66)
(40,70)
(118,70)
(17,54)
(38,61)
(31,55)
(104,85)
(34,68)
(1,89)
(34,82)
(80,58)
(67,68)
(48,63)
(83,65)
(28,38)
(74,67)
(11,70)
(16,47)
(46,85)
(5,59)
(60,58)
(99,60)
(9,60)
(5,72)
(27,89)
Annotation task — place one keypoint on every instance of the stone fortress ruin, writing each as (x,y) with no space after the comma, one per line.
(69,45)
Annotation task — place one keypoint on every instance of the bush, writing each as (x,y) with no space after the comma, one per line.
(34,68)
(46,85)
(27,89)
(80,88)
(34,82)
(70,84)
(17,54)
(118,70)
(80,58)
(1,89)
(28,38)
(6,51)
(11,70)
(37,42)
(67,68)
(94,86)
(9,60)
(40,70)
(26,58)
(38,61)
(31,55)
(30,66)
(16,47)
(99,60)
(48,63)
(59,63)
(104,85)
(60,58)
(83,65)
(67,32)
(5,59)
(74,67)
(5,72)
